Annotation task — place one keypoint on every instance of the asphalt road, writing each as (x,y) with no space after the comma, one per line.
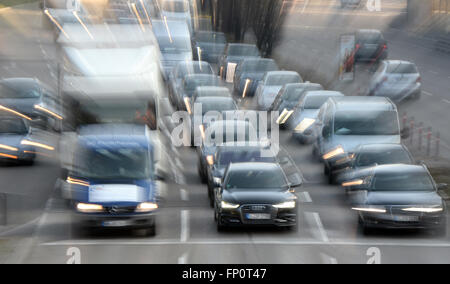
(186,233)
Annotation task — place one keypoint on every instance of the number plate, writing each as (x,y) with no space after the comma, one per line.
(254,216)
(400,218)
(119,223)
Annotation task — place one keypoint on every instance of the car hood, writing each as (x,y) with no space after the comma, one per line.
(404,198)
(256,197)
(351,142)
(25,106)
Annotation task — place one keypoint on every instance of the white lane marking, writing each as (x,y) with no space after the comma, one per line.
(328,259)
(446,101)
(433,72)
(184,226)
(304,6)
(314,221)
(305,197)
(183,259)
(283,242)
(427,93)
(184,194)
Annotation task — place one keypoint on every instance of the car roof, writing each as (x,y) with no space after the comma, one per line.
(323,93)
(242,44)
(398,62)
(193,77)
(273,73)
(347,103)
(257,166)
(212,89)
(214,100)
(399,169)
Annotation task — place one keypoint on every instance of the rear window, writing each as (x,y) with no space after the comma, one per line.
(370,38)
(402,68)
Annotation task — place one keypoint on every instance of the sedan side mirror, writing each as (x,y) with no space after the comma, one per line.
(442,186)
(217,182)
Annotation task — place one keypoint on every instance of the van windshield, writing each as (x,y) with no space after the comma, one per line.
(114,163)
(366,123)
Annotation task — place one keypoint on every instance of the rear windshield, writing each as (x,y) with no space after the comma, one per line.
(370,38)
(280,80)
(176,6)
(366,123)
(402,68)
(240,50)
(416,181)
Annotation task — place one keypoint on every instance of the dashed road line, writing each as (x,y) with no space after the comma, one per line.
(184,226)
(184,194)
(316,224)
(446,101)
(427,93)
(305,197)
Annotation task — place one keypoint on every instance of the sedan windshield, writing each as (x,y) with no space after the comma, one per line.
(256,179)
(398,156)
(19,91)
(366,123)
(416,181)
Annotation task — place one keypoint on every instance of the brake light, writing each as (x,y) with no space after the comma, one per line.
(419,80)
(385,46)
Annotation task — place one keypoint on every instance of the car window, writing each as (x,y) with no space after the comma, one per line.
(395,156)
(366,123)
(417,181)
(256,180)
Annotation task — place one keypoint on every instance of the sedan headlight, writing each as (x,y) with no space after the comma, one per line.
(89,208)
(210,160)
(355,182)
(146,207)
(424,209)
(370,209)
(285,205)
(187,102)
(226,205)
(305,124)
(284,116)
(334,153)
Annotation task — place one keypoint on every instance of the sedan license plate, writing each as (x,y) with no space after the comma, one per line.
(258,216)
(119,223)
(400,218)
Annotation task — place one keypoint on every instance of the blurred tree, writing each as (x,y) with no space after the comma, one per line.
(263,18)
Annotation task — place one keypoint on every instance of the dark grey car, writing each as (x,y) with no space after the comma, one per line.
(248,74)
(397,197)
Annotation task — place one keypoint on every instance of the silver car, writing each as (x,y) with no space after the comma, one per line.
(344,123)
(397,80)
(305,117)
(272,83)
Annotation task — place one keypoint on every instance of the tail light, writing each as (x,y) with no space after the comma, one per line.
(419,80)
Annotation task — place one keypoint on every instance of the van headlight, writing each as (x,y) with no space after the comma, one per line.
(285,205)
(305,124)
(89,208)
(146,207)
(334,153)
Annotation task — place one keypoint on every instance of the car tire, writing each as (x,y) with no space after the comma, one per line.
(220,226)
(326,170)
(151,232)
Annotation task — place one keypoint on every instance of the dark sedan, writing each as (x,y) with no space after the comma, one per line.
(255,194)
(248,74)
(234,54)
(190,84)
(209,46)
(367,156)
(230,153)
(397,197)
